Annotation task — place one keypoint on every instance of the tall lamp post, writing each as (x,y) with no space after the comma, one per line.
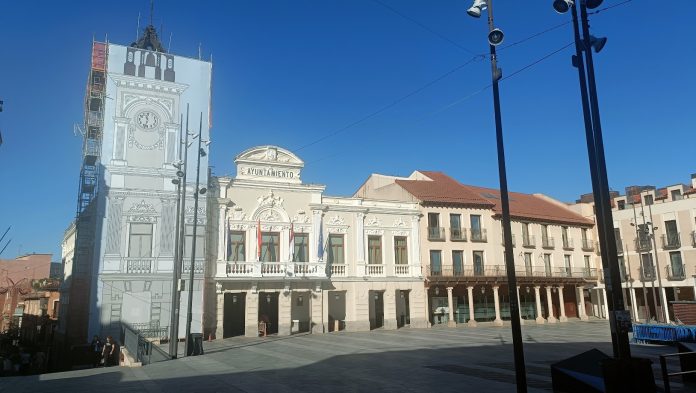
(180,182)
(619,318)
(190,345)
(495,37)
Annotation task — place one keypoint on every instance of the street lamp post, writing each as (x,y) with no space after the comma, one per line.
(618,317)
(180,182)
(190,350)
(495,37)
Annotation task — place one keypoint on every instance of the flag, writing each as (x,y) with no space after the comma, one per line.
(291,245)
(258,240)
(320,243)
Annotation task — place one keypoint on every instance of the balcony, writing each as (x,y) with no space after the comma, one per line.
(403,270)
(338,270)
(568,244)
(139,266)
(675,273)
(528,241)
(647,273)
(643,244)
(457,234)
(526,273)
(374,270)
(588,245)
(547,242)
(274,269)
(503,240)
(671,241)
(436,233)
(198,266)
(478,235)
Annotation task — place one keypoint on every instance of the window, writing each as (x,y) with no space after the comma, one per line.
(140,241)
(301,251)
(587,262)
(374,250)
(671,228)
(456,227)
(458,262)
(646,266)
(528,263)
(584,235)
(475,223)
(621,204)
(200,241)
(478,263)
(270,247)
(566,239)
(435,262)
(619,242)
(547,265)
(675,264)
(400,250)
(566,259)
(622,268)
(525,232)
(236,249)
(433,220)
(545,234)
(676,195)
(648,199)
(336,249)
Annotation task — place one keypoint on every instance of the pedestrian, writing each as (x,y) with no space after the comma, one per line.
(24,361)
(107,351)
(96,347)
(115,353)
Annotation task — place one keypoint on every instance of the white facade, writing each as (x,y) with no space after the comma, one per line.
(346,275)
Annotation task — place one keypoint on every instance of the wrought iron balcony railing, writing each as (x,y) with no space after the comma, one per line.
(588,245)
(478,235)
(643,244)
(675,273)
(647,273)
(436,233)
(671,241)
(457,234)
(501,271)
(547,242)
(528,241)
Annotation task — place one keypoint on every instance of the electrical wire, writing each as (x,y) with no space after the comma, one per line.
(609,7)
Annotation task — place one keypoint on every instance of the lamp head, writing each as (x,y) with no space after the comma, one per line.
(597,43)
(175,181)
(203,190)
(202,152)
(476,8)
(562,6)
(180,173)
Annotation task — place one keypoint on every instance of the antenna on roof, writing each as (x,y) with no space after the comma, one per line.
(199,50)
(152,10)
(169,46)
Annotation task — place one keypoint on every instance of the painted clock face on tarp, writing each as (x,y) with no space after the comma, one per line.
(147,135)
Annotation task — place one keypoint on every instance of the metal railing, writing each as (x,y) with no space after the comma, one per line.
(458,234)
(675,273)
(513,240)
(587,245)
(647,273)
(671,241)
(141,347)
(478,235)
(528,241)
(436,233)
(520,271)
(643,244)
(568,244)
(666,375)
(547,242)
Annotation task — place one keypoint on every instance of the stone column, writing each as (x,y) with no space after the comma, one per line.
(663,301)
(581,304)
(389,299)
(634,306)
(319,308)
(519,305)
(605,306)
(539,319)
(450,304)
(563,317)
(470,292)
(549,304)
(284,314)
(496,301)
(252,314)
(222,234)
(315,235)
(360,238)
(219,328)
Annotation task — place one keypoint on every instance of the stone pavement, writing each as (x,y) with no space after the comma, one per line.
(439,359)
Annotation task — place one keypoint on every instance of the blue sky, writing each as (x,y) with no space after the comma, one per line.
(295,72)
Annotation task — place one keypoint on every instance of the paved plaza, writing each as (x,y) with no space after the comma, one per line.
(439,359)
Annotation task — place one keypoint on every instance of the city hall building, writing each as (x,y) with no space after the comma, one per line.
(297,260)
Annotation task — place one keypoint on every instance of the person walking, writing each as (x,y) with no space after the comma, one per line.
(108,351)
(96,346)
